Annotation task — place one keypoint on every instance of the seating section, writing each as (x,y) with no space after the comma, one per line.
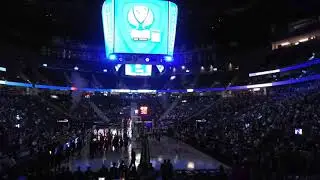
(277,131)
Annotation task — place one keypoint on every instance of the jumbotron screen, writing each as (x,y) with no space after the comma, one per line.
(138,70)
(139,26)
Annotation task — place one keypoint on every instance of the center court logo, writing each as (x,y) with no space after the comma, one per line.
(141,18)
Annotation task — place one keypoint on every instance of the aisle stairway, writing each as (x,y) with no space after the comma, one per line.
(172,106)
(57,107)
(98,111)
(205,110)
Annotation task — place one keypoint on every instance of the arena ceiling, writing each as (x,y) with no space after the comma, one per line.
(245,22)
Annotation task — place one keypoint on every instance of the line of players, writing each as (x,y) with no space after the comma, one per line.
(107,139)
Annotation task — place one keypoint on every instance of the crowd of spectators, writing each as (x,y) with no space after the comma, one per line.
(118,107)
(49,125)
(188,105)
(32,129)
(262,135)
(116,171)
(112,106)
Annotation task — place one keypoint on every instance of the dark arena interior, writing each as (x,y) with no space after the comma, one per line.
(157,89)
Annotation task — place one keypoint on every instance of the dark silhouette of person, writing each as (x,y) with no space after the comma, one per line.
(169,169)
(133,173)
(60,173)
(78,175)
(151,172)
(125,140)
(163,169)
(121,142)
(89,174)
(103,172)
(114,171)
(115,142)
(133,159)
(123,170)
(221,175)
(68,173)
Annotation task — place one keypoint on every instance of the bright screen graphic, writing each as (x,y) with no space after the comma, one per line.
(139,26)
(138,70)
(143,110)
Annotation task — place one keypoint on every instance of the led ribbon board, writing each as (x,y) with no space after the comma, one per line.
(138,70)
(139,26)
(306,64)
(277,83)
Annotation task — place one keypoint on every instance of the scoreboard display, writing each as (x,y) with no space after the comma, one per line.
(144,110)
(138,70)
(139,26)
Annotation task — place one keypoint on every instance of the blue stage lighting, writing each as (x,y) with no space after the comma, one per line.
(168,58)
(112,57)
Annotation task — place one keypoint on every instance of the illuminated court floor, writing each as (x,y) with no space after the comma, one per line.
(182,156)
